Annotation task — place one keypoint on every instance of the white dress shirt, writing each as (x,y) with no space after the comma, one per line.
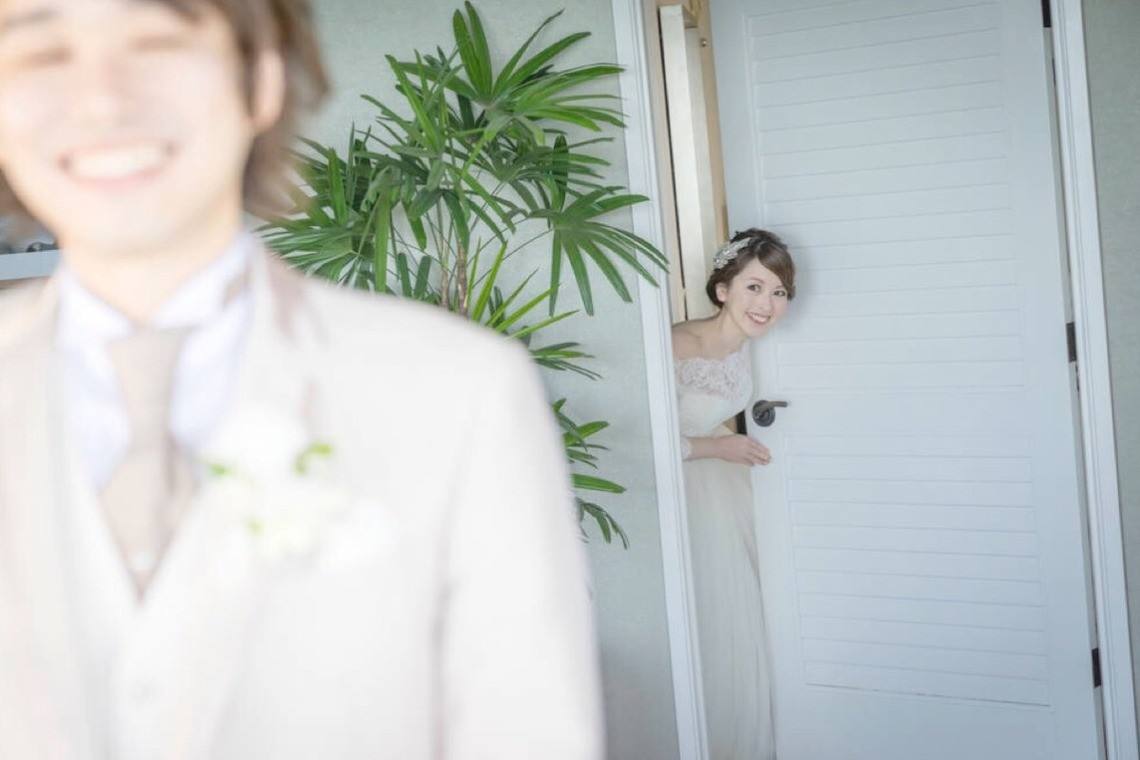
(204,376)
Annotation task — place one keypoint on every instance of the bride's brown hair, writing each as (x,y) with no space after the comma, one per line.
(758,245)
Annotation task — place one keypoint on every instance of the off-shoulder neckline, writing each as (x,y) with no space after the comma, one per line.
(712,359)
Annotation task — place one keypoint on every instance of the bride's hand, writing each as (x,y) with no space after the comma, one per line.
(740,449)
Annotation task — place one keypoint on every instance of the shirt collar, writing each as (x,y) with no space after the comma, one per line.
(84,318)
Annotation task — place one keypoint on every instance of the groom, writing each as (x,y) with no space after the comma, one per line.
(244,515)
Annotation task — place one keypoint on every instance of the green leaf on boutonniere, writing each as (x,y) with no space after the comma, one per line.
(315,451)
(218,470)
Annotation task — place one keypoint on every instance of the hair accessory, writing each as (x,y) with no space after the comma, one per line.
(729,252)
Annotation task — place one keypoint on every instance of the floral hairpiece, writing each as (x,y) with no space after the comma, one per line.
(729,252)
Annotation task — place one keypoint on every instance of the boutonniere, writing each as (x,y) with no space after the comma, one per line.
(265,472)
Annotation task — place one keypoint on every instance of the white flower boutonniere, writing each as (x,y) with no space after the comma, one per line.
(266,473)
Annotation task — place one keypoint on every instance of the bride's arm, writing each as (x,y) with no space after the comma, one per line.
(738,449)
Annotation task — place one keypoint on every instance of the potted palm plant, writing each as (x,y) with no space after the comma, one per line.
(472,171)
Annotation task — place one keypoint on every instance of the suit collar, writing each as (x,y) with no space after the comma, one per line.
(284,336)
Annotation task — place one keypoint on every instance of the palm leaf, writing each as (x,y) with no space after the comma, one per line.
(470,158)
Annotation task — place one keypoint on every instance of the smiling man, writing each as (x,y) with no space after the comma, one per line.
(209,546)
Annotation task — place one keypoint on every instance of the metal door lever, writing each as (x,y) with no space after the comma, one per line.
(764,412)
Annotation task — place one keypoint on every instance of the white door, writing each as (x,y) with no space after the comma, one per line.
(920,527)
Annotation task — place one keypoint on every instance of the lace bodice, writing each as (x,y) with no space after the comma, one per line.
(710,391)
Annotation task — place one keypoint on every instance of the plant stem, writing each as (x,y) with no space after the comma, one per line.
(461,280)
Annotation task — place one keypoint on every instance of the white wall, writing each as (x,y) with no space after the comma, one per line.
(1112,28)
(628,584)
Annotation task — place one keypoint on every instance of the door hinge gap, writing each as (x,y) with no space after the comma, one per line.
(1096,667)
(1046,14)
(1071,339)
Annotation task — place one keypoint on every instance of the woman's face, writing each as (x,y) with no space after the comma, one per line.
(754,299)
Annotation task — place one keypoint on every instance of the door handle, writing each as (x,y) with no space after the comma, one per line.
(764,412)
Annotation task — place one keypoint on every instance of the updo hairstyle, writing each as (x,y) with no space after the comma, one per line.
(762,246)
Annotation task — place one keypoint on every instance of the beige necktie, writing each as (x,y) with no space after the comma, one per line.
(149,491)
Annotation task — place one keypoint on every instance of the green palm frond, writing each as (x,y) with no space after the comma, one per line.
(474,163)
(580,452)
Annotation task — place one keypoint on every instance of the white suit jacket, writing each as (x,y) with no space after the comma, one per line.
(449,618)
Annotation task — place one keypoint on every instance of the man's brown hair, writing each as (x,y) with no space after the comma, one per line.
(258,25)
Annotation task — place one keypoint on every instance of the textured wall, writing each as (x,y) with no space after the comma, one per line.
(628,584)
(1112,28)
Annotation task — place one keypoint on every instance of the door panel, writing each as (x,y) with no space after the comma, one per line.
(920,527)
(691,155)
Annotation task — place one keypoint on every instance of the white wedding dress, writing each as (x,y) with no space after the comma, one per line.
(730,616)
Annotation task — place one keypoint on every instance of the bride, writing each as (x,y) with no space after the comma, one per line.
(752,281)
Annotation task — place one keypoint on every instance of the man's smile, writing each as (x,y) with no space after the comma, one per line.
(134,160)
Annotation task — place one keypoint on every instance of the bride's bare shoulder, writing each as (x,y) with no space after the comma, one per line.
(687,339)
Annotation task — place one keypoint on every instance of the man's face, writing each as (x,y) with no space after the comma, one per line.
(123,124)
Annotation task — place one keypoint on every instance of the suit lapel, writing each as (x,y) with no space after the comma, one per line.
(278,366)
(43,702)
(213,579)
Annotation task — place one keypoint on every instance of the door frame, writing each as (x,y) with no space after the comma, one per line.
(1097,432)
(648,221)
